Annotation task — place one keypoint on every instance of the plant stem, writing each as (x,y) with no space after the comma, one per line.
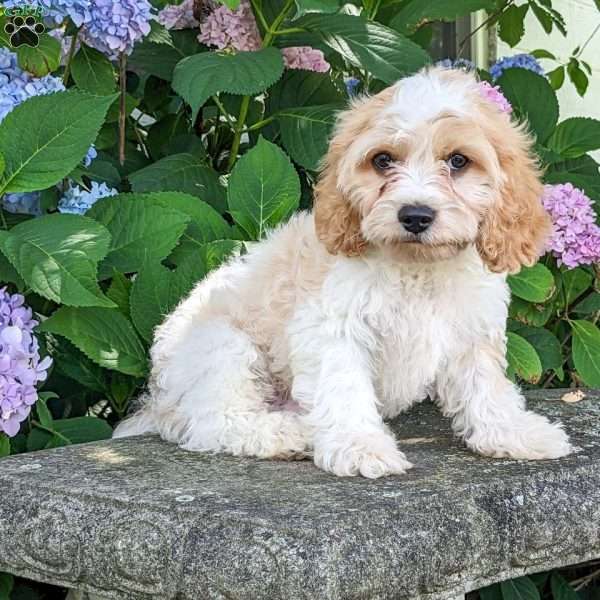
(290,30)
(596,29)
(70,58)
(4,223)
(223,111)
(258,12)
(239,126)
(122,105)
(259,124)
(491,18)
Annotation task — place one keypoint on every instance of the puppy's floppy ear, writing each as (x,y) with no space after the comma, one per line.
(515,229)
(337,222)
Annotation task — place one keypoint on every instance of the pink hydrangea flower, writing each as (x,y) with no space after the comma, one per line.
(494,95)
(224,28)
(305,57)
(178,16)
(576,236)
(20,365)
(236,29)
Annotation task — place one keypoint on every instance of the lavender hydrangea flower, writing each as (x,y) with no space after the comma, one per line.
(114,26)
(77,201)
(306,58)
(20,365)
(576,237)
(494,94)
(521,61)
(225,28)
(178,16)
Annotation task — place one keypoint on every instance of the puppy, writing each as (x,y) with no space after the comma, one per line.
(392,290)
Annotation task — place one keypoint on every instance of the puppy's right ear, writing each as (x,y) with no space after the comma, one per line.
(337,222)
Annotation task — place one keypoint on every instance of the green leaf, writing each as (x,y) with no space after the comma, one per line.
(92,71)
(316,6)
(77,430)
(511,27)
(44,138)
(532,98)
(103,334)
(535,284)
(586,351)
(231,4)
(41,60)
(57,256)
(492,592)
(103,171)
(590,184)
(43,413)
(577,76)
(544,17)
(4,451)
(546,345)
(6,580)
(305,133)
(180,173)
(573,137)
(197,78)
(561,590)
(140,229)
(521,588)
(157,290)
(556,77)
(8,274)
(413,14)
(2,165)
(72,363)
(523,360)
(368,45)
(264,189)
(574,283)
(119,291)
(589,305)
(536,315)
(541,53)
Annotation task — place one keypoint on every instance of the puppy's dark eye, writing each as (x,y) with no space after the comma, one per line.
(458,161)
(382,161)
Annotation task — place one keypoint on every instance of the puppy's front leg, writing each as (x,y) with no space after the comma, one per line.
(332,380)
(488,410)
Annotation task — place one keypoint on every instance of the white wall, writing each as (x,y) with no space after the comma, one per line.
(582,18)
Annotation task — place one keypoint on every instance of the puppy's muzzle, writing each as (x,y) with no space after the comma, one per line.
(416,219)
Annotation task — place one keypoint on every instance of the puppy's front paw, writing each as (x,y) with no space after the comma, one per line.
(371,455)
(531,437)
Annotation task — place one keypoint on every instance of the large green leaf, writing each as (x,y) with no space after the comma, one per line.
(511,24)
(381,51)
(76,430)
(141,230)
(536,315)
(41,60)
(589,305)
(535,284)
(157,290)
(6,580)
(103,334)
(546,344)
(561,590)
(522,358)
(198,77)
(305,132)
(586,351)
(532,98)
(416,12)
(521,588)
(316,6)
(57,256)
(574,137)
(45,137)
(92,71)
(180,173)
(590,184)
(574,283)
(264,189)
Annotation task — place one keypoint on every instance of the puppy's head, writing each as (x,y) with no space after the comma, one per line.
(427,167)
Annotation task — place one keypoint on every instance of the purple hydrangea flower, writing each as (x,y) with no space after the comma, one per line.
(306,58)
(576,237)
(114,26)
(521,61)
(20,365)
(225,28)
(178,16)
(78,200)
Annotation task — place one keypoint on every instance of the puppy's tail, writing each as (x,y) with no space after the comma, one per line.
(139,423)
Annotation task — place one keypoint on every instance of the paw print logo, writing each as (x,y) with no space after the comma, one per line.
(24,31)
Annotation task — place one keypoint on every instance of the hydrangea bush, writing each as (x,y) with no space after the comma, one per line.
(128,144)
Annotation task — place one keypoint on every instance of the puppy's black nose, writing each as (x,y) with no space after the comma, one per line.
(416,219)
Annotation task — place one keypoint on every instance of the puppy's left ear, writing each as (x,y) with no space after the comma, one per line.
(515,229)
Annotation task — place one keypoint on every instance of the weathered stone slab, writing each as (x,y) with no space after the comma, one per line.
(139,519)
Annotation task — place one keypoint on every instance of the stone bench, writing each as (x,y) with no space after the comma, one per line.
(139,519)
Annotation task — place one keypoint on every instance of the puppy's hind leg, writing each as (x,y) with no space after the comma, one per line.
(211,393)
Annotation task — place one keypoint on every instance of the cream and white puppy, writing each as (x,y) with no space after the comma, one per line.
(392,290)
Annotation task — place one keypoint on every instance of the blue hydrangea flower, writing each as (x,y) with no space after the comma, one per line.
(352,84)
(23,203)
(90,156)
(458,63)
(114,26)
(77,200)
(521,61)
